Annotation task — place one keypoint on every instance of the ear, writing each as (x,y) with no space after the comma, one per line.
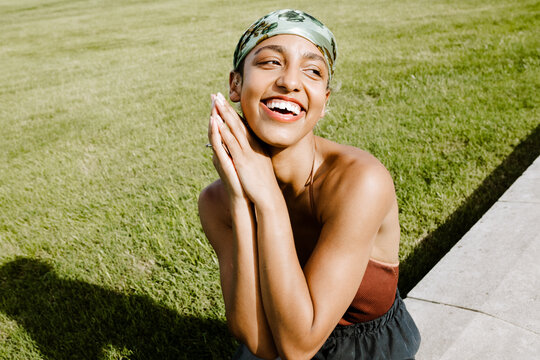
(323,112)
(235,86)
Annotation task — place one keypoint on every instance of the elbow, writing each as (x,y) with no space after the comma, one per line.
(298,349)
(260,346)
(295,353)
(264,352)
(265,346)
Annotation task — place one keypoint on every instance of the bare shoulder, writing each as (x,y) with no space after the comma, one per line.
(353,175)
(214,204)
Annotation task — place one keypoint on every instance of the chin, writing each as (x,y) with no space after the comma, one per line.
(275,143)
(277,140)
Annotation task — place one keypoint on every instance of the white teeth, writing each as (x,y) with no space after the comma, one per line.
(284,105)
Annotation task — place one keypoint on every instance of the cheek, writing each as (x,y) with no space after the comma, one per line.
(249,101)
(320,98)
(249,112)
(247,109)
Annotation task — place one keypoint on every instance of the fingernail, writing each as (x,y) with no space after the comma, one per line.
(213,97)
(220,99)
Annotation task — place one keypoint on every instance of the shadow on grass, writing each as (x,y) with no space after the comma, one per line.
(434,246)
(70,319)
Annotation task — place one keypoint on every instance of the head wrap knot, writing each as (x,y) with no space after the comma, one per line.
(292,22)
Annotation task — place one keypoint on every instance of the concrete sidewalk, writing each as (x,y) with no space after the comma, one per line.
(482,300)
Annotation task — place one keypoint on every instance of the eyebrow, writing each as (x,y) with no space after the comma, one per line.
(280,49)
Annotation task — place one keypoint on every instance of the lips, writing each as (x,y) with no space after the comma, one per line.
(283,109)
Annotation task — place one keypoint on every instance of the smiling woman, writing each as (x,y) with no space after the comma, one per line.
(306,230)
(294,65)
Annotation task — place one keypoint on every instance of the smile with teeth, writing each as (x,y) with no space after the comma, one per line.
(284,107)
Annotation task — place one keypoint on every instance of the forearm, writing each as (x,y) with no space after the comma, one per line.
(243,302)
(286,296)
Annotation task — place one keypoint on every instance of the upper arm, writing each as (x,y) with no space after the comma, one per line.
(239,282)
(355,203)
(215,218)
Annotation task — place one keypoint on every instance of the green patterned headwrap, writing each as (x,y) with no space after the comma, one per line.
(292,22)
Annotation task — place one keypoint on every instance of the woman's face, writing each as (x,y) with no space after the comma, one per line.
(283,91)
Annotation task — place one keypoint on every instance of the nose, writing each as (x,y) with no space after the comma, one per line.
(289,79)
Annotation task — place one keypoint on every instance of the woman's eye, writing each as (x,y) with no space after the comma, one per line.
(314,72)
(269,62)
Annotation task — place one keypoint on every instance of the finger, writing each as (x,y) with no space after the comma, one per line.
(229,115)
(252,139)
(210,128)
(219,121)
(226,169)
(232,119)
(214,135)
(213,114)
(230,141)
(213,109)
(217,144)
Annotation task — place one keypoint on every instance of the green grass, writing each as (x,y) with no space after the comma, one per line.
(103,116)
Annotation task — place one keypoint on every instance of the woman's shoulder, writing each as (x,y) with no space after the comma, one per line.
(349,163)
(213,202)
(351,174)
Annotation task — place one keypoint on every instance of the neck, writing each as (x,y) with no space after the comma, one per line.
(293,165)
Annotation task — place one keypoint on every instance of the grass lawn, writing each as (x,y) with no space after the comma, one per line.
(103,114)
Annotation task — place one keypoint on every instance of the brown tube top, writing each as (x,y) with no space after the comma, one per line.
(375,295)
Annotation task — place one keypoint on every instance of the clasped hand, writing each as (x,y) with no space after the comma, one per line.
(239,157)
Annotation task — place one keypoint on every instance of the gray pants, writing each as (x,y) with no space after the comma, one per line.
(393,336)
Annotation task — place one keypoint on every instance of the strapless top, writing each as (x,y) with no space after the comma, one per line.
(375,295)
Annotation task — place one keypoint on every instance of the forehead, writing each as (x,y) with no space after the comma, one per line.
(290,44)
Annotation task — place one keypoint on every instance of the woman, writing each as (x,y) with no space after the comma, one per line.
(306,230)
